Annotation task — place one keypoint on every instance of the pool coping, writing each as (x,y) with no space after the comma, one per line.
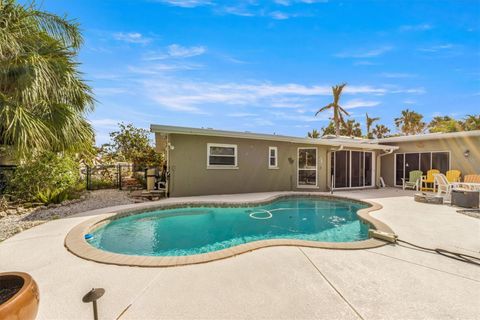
(75,241)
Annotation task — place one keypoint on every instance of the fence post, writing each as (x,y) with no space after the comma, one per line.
(87,180)
(119,171)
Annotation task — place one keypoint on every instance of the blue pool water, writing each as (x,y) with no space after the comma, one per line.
(195,230)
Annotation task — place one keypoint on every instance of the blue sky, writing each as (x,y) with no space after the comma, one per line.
(267,66)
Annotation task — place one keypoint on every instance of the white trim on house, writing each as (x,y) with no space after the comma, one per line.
(430,136)
(305,169)
(220,166)
(270,166)
(419,162)
(353,143)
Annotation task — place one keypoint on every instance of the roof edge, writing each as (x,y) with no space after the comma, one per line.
(430,136)
(263,136)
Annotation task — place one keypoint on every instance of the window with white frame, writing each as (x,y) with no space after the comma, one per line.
(272,158)
(221,156)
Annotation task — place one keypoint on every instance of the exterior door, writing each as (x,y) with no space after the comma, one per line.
(352,169)
(307,168)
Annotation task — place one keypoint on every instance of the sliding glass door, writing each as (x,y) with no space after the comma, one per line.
(424,161)
(352,169)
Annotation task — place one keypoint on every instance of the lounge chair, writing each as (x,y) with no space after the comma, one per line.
(429,179)
(453,175)
(413,181)
(472,178)
(470,182)
(442,184)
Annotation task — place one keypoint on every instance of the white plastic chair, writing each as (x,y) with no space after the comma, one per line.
(442,184)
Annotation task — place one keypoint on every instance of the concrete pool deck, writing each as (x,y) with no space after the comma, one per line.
(390,282)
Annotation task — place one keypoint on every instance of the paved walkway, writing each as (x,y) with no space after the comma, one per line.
(391,282)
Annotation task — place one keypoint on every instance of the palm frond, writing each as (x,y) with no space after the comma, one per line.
(328,106)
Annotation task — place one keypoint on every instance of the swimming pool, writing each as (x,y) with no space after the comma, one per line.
(202,229)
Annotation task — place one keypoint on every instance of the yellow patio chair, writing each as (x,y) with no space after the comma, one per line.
(453,175)
(429,179)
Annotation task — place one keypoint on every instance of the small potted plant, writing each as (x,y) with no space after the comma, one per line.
(19,296)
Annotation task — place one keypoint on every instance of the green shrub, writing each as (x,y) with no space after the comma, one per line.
(96,184)
(46,175)
(49,196)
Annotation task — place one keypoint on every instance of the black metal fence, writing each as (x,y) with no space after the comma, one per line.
(119,176)
(6,173)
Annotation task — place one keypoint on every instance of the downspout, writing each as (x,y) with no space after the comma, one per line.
(379,164)
(167,163)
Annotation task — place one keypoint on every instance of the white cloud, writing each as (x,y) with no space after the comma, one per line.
(397,75)
(105,123)
(175,51)
(241,114)
(419,90)
(283,2)
(364,53)
(416,27)
(359,103)
(237,11)
(110,91)
(263,122)
(437,48)
(131,37)
(187,3)
(302,118)
(277,15)
(161,68)
(193,97)
(178,51)
(364,63)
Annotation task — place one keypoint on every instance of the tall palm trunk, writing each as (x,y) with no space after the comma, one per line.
(336,121)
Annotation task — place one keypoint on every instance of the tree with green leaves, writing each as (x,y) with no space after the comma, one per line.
(410,122)
(314,134)
(369,122)
(338,111)
(131,144)
(445,124)
(472,122)
(329,129)
(351,128)
(43,99)
(380,131)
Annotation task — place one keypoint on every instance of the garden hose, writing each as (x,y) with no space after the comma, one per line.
(393,238)
(446,253)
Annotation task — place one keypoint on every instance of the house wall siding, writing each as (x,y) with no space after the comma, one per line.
(456,146)
(189,174)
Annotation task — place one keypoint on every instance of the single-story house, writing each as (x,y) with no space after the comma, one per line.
(207,161)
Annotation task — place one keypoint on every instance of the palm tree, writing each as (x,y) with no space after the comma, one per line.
(369,122)
(43,99)
(314,134)
(351,128)
(472,122)
(337,109)
(380,131)
(410,122)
